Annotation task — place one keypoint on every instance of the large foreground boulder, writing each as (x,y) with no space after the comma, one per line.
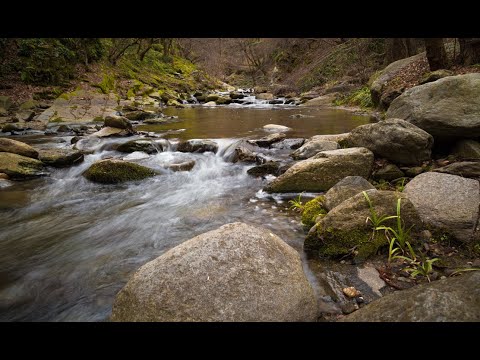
(345,189)
(324,170)
(113,171)
(60,157)
(452,299)
(344,230)
(237,272)
(446,108)
(20,167)
(446,202)
(17,147)
(394,139)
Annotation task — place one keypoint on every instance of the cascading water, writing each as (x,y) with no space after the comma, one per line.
(67,245)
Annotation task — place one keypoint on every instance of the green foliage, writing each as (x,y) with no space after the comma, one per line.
(107,84)
(400,235)
(400,185)
(296,204)
(360,97)
(311,210)
(417,267)
(374,218)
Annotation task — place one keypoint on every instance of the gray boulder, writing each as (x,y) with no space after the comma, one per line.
(345,189)
(446,108)
(60,157)
(237,272)
(394,139)
(324,170)
(17,147)
(446,202)
(452,299)
(293,144)
(339,138)
(312,148)
(146,146)
(270,167)
(469,169)
(118,122)
(467,149)
(197,146)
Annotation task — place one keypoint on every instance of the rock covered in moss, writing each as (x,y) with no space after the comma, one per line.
(435,75)
(112,171)
(60,157)
(324,170)
(312,209)
(20,167)
(17,147)
(11,128)
(345,189)
(344,230)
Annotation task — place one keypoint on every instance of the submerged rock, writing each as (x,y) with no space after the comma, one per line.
(452,299)
(112,171)
(197,146)
(17,147)
(447,202)
(237,272)
(20,167)
(60,157)
(184,166)
(324,170)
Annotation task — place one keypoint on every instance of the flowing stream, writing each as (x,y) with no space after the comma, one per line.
(67,245)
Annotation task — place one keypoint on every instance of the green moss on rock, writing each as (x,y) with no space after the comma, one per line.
(311,210)
(113,171)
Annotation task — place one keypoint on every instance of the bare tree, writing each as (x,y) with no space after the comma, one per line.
(436,55)
(469,51)
(119,46)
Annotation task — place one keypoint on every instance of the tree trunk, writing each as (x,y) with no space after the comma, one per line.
(396,49)
(436,55)
(469,51)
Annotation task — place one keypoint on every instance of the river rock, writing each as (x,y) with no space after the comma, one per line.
(11,128)
(312,148)
(146,146)
(344,228)
(292,144)
(324,100)
(452,299)
(25,115)
(339,138)
(210,103)
(467,149)
(119,122)
(388,172)
(446,202)
(17,147)
(237,272)
(112,171)
(197,146)
(184,166)
(235,95)
(268,140)
(110,131)
(276,128)
(345,189)
(446,108)
(435,75)
(382,80)
(212,97)
(324,170)
(270,167)
(242,153)
(139,115)
(265,96)
(60,157)
(469,169)
(222,100)
(395,140)
(20,167)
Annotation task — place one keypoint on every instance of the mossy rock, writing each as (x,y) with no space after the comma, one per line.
(20,167)
(29,104)
(346,231)
(112,171)
(311,210)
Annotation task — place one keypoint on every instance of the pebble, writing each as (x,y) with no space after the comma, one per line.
(351,292)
